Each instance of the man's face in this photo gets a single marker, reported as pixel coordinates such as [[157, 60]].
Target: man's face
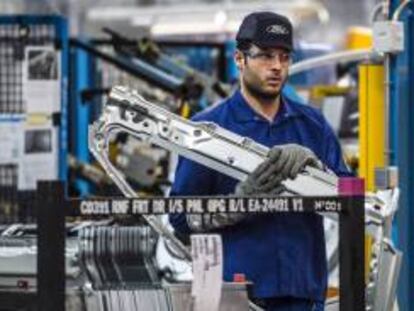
[[263, 71]]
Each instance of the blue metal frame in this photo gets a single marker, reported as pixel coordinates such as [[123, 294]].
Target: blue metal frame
[[81, 78], [402, 147], [232, 73], [62, 37]]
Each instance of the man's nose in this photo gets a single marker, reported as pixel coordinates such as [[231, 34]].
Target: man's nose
[[276, 63]]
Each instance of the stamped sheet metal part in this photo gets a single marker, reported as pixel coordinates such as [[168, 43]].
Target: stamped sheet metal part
[[203, 142]]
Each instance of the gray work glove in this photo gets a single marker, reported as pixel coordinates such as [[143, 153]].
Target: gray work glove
[[291, 159], [285, 161], [208, 222], [251, 186], [255, 184]]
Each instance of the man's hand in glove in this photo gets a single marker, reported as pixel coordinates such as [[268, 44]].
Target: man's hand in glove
[[285, 161], [207, 222]]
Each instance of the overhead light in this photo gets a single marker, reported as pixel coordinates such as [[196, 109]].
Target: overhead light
[[220, 18], [193, 28], [144, 21], [206, 17]]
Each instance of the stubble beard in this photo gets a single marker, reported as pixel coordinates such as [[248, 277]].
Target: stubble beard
[[262, 95]]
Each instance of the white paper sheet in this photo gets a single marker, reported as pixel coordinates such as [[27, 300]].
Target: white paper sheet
[[207, 252], [41, 79], [39, 156], [10, 128]]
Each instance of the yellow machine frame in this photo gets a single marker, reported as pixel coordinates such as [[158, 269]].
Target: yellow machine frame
[[371, 122]]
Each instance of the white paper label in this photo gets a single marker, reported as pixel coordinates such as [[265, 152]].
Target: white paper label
[[207, 253]]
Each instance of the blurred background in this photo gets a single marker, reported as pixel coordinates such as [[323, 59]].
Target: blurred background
[[315, 21], [59, 60]]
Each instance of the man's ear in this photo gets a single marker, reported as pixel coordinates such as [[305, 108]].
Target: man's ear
[[239, 59]]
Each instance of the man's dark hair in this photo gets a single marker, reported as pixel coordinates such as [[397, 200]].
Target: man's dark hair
[[243, 45]]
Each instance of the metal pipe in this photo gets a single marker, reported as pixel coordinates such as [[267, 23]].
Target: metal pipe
[[399, 10], [379, 6], [387, 85], [136, 67], [333, 58]]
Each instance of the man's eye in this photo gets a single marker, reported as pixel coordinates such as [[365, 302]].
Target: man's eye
[[284, 57], [267, 56]]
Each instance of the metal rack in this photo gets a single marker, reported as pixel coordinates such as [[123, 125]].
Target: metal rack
[[53, 208]]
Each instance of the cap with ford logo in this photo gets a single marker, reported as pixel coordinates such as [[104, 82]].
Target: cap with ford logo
[[266, 30]]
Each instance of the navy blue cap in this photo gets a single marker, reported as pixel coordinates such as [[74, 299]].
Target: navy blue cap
[[266, 30]]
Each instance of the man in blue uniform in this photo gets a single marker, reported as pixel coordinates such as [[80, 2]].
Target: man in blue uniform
[[283, 255]]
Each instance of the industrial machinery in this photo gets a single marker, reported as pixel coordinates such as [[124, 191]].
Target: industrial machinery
[[149, 51], [235, 156], [116, 266], [18, 267], [107, 267]]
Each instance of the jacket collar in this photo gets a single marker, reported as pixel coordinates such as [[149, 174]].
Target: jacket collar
[[243, 112]]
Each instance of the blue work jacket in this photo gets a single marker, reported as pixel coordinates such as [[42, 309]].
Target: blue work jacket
[[282, 254]]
